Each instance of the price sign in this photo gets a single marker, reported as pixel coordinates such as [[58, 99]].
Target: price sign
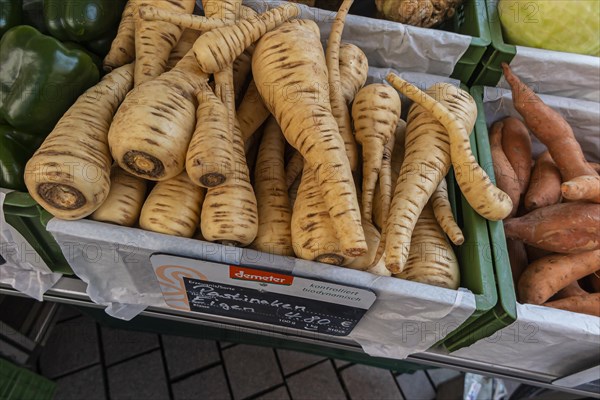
[[261, 296]]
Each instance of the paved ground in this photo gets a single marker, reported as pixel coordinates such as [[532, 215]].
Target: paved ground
[[89, 361]]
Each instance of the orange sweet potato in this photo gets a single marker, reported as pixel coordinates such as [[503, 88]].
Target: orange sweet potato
[[584, 304], [595, 166], [561, 228], [584, 187], [572, 290], [545, 277], [516, 144], [549, 127], [533, 253], [506, 177], [544, 186], [517, 257]]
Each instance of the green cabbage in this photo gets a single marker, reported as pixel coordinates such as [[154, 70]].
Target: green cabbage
[[563, 25]]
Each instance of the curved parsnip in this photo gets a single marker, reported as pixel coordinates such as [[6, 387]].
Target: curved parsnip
[[151, 131], [187, 20], [69, 175], [183, 46], [313, 236], [307, 122], [426, 163], [274, 214], [293, 191], [339, 108], [218, 48], [431, 258], [354, 69], [124, 201], [293, 169], [173, 207], [154, 40], [229, 213], [209, 158], [375, 112], [241, 70], [122, 48], [485, 198], [443, 214], [373, 237]]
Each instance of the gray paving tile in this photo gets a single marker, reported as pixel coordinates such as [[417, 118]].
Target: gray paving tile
[[278, 394], [72, 345], [121, 344], [441, 375], [186, 354], [143, 377], [366, 383], [340, 363], [86, 384], [318, 382], [251, 369], [292, 361], [207, 385], [416, 386], [67, 312]]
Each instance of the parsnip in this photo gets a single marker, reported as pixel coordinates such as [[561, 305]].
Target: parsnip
[[69, 175], [183, 46], [154, 40], [122, 48], [443, 214], [184, 20], [431, 258], [173, 207], [252, 112], [124, 201], [485, 198], [354, 69], [375, 113], [151, 131], [274, 213], [293, 169], [303, 76], [229, 213], [373, 237], [339, 107], [209, 158]]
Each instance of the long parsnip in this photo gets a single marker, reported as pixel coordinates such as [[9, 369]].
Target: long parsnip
[[293, 169], [183, 46], [375, 112], [69, 175], [274, 214], [443, 214], [184, 20], [485, 198], [252, 112], [292, 56], [122, 48], [339, 108], [354, 69]]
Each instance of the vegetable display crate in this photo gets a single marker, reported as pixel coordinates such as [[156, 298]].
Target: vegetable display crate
[[27, 217], [471, 19], [503, 311], [21, 384], [489, 72]]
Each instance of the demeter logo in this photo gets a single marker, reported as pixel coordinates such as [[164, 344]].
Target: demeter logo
[[249, 274]]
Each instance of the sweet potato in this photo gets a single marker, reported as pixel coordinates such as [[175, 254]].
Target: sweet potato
[[572, 290], [516, 144], [533, 253], [595, 166], [549, 127], [561, 228], [545, 277], [517, 256], [506, 177], [583, 188], [594, 282], [586, 304], [544, 186]]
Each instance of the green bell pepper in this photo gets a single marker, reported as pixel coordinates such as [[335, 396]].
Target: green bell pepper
[[81, 20], [33, 15], [16, 148], [40, 79], [11, 14]]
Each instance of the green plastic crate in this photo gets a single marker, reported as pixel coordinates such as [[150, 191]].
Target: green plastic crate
[[21, 384], [27, 217], [490, 72], [472, 20], [504, 311]]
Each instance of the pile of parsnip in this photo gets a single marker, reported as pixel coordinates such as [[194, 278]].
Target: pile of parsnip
[[245, 132], [554, 227]]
